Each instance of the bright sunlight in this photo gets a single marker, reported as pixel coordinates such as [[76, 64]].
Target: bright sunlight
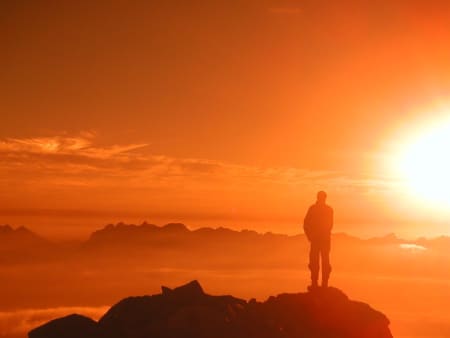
[[425, 164]]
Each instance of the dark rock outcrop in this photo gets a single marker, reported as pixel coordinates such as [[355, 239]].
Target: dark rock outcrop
[[186, 312], [72, 326]]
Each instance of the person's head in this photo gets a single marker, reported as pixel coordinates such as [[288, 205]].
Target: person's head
[[321, 196]]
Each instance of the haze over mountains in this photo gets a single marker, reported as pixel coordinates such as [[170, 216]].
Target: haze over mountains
[[122, 260], [178, 235], [175, 245]]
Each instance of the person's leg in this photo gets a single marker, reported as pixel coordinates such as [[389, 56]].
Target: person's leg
[[326, 266], [314, 263]]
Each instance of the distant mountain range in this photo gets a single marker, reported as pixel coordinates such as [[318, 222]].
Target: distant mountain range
[[174, 243], [177, 233], [173, 234]]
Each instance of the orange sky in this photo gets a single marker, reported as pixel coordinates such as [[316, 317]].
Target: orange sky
[[214, 112]]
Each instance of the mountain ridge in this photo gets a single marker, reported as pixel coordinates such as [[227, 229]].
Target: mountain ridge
[[23, 245], [181, 227]]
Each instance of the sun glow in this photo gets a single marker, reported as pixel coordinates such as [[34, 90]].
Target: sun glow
[[424, 164]]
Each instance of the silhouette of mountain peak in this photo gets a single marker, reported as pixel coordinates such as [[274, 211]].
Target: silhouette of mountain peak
[[4, 229], [25, 231], [188, 312], [69, 327], [122, 227], [175, 227], [187, 291], [21, 233]]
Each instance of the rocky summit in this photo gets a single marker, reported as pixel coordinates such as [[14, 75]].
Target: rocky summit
[[188, 312]]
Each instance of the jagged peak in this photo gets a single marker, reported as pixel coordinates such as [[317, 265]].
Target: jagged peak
[[175, 227], [5, 228], [19, 231], [191, 289], [24, 229]]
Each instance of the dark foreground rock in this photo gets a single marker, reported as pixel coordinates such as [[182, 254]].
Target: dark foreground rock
[[73, 326], [187, 312]]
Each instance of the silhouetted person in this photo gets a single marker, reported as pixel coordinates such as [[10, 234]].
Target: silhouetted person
[[317, 225]]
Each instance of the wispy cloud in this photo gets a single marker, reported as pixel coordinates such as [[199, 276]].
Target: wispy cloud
[[60, 145], [78, 159]]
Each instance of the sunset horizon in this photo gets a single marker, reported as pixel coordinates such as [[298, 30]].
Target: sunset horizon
[[323, 128]]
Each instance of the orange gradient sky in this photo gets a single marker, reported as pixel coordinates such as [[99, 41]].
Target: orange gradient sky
[[216, 112]]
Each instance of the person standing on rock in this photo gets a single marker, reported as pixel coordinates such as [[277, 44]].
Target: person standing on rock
[[317, 225]]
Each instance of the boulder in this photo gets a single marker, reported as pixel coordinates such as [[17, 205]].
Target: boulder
[[72, 326], [188, 312]]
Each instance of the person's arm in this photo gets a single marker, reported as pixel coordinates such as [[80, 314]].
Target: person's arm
[[307, 224], [331, 221]]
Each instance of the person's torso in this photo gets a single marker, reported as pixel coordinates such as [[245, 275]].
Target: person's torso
[[321, 219]]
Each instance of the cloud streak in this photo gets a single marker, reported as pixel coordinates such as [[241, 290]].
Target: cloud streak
[[59, 145], [79, 159]]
